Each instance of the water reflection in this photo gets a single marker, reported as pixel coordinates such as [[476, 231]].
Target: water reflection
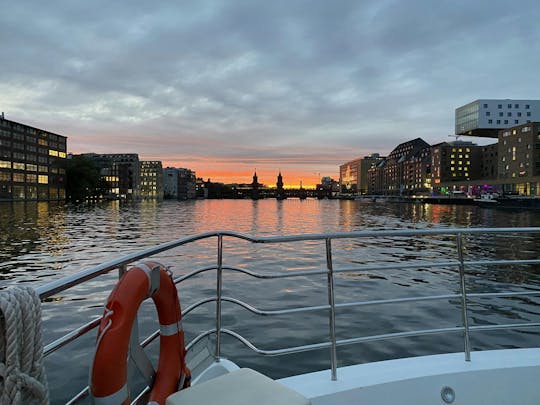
[[40, 241]]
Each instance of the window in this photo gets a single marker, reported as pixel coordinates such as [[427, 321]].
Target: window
[[488, 113], [516, 105], [498, 121], [490, 121], [527, 106], [509, 114], [18, 177], [506, 121], [18, 166], [499, 106], [516, 121], [528, 113], [519, 114], [509, 105], [501, 114], [43, 179], [5, 164], [485, 106]]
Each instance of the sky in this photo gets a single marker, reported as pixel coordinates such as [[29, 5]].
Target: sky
[[228, 87]]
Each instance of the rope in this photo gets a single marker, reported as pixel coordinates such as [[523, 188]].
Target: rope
[[22, 375]]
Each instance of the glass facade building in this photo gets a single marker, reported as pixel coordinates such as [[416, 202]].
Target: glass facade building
[[488, 116], [31, 163]]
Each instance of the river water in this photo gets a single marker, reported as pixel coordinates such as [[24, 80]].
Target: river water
[[42, 241]]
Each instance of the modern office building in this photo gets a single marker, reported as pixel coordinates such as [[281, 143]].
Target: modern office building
[[31, 163], [519, 159], [486, 117], [151, 180], [179, 184], [353, 175]]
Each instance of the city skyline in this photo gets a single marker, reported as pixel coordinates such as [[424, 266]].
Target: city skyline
[[223, 88]]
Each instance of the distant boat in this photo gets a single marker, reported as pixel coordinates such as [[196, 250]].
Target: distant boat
[[508, 201]]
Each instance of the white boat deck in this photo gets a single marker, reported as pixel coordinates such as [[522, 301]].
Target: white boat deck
[[491, 377]]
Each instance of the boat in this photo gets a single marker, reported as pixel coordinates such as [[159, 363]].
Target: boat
[[488, 200], [510, 201], [499, 376]]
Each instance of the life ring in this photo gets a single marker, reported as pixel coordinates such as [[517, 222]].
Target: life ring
[[108, 377]]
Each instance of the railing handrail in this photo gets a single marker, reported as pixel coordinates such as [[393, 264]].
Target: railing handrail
[[459, 262], [54, 287]]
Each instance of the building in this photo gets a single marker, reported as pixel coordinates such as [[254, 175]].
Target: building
[[519, 159], [393, 176], [353, 175], [489, 164], [179, 184], [121, 170], [31, 163], [417, 172], [151, 180], [486, 117]]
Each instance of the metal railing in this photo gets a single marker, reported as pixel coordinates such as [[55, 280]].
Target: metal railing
[[459, 263]]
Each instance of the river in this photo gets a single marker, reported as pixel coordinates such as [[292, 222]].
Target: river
[[43, 241]]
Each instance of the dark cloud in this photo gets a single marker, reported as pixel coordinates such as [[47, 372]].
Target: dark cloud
[[245, 79]]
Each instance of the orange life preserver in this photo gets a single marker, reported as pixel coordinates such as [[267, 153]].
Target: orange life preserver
[[108, 377]]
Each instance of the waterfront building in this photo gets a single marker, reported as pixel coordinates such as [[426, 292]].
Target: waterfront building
[[353, 175], [393, 171], [455, 164], [121, 171], [487, 116], [151, 179], [519, 159], [417, 173], [180, 184], [328, 188], [31, 161], [489, 164]]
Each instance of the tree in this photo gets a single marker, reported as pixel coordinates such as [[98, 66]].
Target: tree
[[83, 181]]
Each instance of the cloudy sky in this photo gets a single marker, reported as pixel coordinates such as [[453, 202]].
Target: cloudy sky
[[224, 87]]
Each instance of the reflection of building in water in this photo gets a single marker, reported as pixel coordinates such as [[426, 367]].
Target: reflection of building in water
[[179, 184], [151, 179], [30, 160]]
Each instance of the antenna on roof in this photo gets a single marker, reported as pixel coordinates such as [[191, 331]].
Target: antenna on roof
[[2, 116]]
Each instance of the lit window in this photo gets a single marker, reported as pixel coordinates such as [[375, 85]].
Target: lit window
[[53, 152], [62, 155], [43, 179], [18, 166], [5, 164]]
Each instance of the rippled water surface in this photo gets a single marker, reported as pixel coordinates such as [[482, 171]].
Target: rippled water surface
[[40, 242]]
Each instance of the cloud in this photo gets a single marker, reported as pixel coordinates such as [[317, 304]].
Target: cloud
[[267, 81]]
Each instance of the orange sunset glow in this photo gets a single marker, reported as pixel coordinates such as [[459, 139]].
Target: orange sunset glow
[[231, 172]]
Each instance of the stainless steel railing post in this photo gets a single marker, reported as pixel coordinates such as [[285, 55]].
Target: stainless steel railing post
[[464, 311], [332, 313], [219, 284], [122, 270]]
